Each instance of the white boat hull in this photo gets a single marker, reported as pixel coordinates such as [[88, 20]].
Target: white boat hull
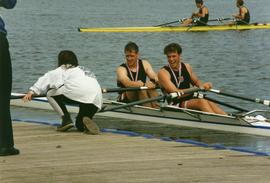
[[195, 120]]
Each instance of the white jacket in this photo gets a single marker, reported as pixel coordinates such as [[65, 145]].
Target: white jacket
[[71, 82]]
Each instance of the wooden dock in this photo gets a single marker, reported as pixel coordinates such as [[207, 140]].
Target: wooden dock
[[54, 157]]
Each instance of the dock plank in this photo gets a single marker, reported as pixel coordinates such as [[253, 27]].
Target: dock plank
[[50, 156]]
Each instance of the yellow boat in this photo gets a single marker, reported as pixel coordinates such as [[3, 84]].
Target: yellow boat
[[177, 28]]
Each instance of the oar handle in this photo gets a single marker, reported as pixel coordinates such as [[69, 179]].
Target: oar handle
[[185, 91]]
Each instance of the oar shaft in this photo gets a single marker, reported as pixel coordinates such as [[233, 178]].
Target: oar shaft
[[109, 90], [134, 103], [21, 96], [168, 23], [226, 104], [257, 100], [173, 22], [219, 19], [16, 97], [104, 90], [172, 95]]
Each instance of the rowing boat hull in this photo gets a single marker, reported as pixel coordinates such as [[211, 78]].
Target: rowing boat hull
[[167, 115], [262, 131], [176, 28]]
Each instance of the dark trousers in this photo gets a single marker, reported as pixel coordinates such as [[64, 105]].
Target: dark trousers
[[85, 110], [6, 132]]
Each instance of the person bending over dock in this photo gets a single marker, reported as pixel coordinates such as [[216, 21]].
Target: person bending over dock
[[70, 84]]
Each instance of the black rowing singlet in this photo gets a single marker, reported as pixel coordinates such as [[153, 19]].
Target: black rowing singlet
[[202, 20], [245, 20], [184, 84], [141, 74]]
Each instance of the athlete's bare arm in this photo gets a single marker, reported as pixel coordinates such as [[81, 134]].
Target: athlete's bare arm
[[204, 12], [151, 74], [165, 81], [196, 81]]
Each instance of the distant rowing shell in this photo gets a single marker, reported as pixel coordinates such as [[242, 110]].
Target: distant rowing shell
[[177, 28]]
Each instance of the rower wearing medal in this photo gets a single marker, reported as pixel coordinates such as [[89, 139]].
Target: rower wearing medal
[[177, 76], [136, 73], [200, 18]]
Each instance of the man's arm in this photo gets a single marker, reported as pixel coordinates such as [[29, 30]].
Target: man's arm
[[204, 12], [8, 4], [196, 81], [241, 14], [123, 78], [243, 11], [165, 81], [149, 71]]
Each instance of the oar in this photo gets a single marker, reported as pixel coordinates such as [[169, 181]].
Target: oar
[[109, 90], [200, 95], [211, 20], [173, 22], [256, 100], [226, 104], [171, 95], [219, 19], [104, 90], [22, 95]]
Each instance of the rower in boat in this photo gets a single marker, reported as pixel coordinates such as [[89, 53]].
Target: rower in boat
[[243, 17], [70, 84], [177, 76], [200, 18], [136, 72]]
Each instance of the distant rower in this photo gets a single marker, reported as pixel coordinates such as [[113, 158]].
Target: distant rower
[[200, 18], [243, 17]]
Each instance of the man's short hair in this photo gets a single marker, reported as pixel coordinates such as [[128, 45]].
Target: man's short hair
[[240, 2], [199, 1], [131, 46], [171, 48]]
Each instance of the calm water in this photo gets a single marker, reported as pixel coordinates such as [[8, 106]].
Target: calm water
[[231, 60]]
